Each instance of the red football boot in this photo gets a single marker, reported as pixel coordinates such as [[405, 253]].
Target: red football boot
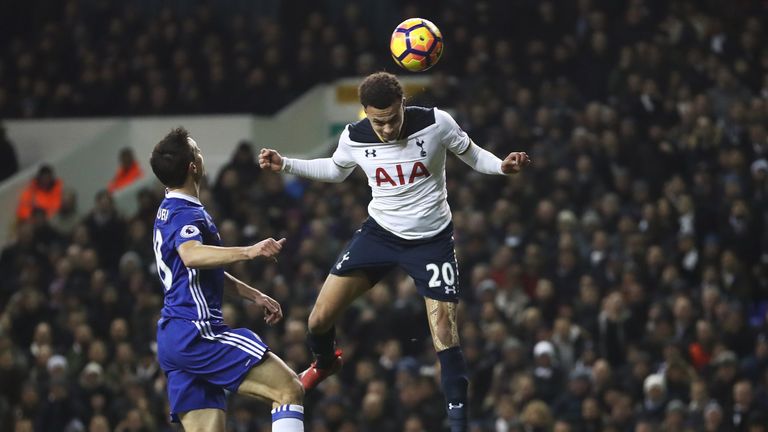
[[313, 376]]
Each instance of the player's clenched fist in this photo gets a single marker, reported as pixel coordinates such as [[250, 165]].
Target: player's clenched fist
[[268, 248], [515, 162], [270, 159]]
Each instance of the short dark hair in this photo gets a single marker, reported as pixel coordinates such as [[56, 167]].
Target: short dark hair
[[380, 90], [44, 169], [171, 157]]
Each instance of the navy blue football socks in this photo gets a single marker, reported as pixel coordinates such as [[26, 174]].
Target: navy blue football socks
[[322, 346], [453, 375]]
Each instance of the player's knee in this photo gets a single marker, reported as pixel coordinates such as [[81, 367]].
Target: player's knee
[[319, 321], [292, 392]]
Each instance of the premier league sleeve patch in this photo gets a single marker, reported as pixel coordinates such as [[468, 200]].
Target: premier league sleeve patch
[[189, 231]]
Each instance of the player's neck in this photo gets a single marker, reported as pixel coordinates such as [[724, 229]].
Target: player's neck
[[190, 188]]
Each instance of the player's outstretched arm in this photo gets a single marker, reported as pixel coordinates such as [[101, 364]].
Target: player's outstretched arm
[[273, 313], [270, 159], [515, 162], [197, 255], [324, 169], [483, 161]]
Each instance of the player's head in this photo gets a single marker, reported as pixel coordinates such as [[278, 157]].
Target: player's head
[[381, 95], [176, 159]]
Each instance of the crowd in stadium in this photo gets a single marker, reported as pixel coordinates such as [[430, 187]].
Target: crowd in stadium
[[620, 284]]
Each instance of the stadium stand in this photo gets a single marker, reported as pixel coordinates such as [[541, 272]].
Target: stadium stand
[[621, 284]]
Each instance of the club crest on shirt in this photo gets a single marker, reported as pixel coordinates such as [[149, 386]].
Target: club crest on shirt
[[189, 231], [420, 144]]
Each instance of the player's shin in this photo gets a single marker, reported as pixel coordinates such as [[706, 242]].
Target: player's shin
[[288, 418], [323, 347], [453, 376]]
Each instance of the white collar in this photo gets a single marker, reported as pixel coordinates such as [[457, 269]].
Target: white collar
[[183, 196]]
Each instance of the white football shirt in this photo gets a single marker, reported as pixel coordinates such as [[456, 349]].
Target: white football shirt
[[406, 176]]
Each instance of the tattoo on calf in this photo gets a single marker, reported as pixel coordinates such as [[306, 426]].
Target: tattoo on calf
[[434, 322]]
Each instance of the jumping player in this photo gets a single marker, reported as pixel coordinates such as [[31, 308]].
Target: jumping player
[[402, 151], [200, 355]]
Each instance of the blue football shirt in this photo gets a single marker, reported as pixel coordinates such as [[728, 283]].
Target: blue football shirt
[[191, 294]]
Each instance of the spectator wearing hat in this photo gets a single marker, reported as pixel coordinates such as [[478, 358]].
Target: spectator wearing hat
[[546, 371], [92, 390], [655, 397]]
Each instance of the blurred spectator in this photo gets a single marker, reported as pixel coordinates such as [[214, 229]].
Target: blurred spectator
[[655, 400], [127, 172], [106, 229], [244, 163], [9, 164], [547, 373], [43, 192], [67, 218], [619, 285]]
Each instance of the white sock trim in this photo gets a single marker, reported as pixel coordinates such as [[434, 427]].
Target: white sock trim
[[289, 407]]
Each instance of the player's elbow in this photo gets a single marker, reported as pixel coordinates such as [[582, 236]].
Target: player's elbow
[[192, 264], [190, 257], [339, 176], [189, 262]]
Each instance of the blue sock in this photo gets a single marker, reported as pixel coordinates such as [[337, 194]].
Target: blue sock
[[453, 375], [323, 347], [288, 418]]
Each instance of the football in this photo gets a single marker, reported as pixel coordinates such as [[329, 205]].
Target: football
[[416, 44]]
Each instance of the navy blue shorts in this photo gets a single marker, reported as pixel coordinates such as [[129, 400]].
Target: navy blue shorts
[[201, 360], [430, 262]]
